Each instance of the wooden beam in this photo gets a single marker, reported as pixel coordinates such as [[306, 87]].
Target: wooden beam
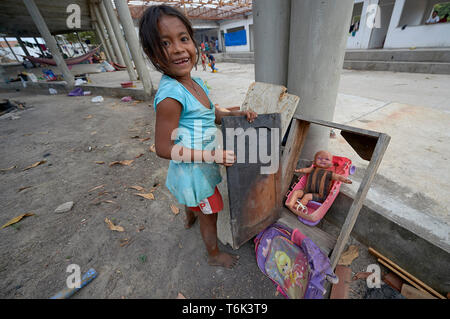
[[397, 269], [291, 153], [360, 196]]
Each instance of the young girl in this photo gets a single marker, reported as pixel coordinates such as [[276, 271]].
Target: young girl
[[184, 112]]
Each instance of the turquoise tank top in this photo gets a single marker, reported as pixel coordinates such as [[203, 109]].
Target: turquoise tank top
[[191, 182]]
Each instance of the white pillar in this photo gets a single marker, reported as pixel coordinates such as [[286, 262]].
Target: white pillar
[[99, 33], [111, 33], [271, 34], [106, 36], [120, 39], [81, 43], [102, 40], [317, 41], [49, 40], [39, 46], [133, 44]]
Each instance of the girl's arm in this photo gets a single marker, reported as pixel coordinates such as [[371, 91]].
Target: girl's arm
[[167, 118], [220, 113]]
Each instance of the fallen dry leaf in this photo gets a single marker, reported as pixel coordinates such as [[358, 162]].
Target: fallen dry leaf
[[125, 242], [99, 162], [174, 209], [152, 148], [23, 188], [348, 256], [141, 228], [180, 296], [113, 227], [139, 155], [88, 117], [137, 187], [7, 169], [16, 219], [148, 195], [35, 164], [96, 187], [144, 139], [124, 162]]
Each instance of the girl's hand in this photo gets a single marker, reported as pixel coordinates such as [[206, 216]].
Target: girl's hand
[[251, 115], [298, 170], [224, 157]]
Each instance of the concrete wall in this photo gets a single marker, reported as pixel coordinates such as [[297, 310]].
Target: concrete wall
[[356, 41], [413, 13], [378, 35], [235, 24]]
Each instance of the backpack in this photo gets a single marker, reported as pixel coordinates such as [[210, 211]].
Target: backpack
[[293, 262]]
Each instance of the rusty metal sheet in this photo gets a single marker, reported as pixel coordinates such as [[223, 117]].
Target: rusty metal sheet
[[254, 181]]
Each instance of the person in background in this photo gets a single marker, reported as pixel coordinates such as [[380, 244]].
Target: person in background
[[433, 19]]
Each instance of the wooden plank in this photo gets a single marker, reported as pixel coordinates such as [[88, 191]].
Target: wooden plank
[[291, 153], [412, 293], [404, 272], [353, 213], [341, 127], [253, 192], [265, 98], [398, 273], [322, 239]]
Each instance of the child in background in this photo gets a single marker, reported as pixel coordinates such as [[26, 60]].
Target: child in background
[[203, 61], [181, 103], [212, 62]]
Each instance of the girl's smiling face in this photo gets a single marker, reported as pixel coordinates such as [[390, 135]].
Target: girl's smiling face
[[178, 46]]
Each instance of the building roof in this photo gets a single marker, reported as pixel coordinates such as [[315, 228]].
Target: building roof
[[198, 9], [16, 21]]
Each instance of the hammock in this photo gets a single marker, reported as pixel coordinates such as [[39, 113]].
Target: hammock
[[69, 61]]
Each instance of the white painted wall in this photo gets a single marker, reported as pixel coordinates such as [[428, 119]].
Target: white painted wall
[[420, 36], [235, 24], [378, 34]]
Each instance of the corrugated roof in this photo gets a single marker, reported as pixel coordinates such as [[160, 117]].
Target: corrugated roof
[[15, 20], [198, 9]]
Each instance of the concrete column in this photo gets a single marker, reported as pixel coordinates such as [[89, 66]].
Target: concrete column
[[318, 37], [49, 40], [23, 46], [106, 36], [111, 33], [99, 33], [14, 53], [37, 43], [102, 40], [271, 33], [133, 44], [120, 39], [81, 43]]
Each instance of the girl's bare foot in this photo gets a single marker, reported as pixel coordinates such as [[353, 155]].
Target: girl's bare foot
[[223, 259]]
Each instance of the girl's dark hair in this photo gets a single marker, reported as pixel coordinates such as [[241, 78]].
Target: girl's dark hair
[[149, 34]]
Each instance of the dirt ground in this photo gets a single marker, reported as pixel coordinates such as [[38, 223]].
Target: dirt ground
[[154, 257], [161, 258]]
